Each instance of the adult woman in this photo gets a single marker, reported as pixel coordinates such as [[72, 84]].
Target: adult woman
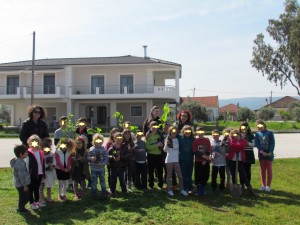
[[250, 158], [34, 124], [184, 117], [154, 116]]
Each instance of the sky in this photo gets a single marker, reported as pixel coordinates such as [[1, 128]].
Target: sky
[[212, 39]]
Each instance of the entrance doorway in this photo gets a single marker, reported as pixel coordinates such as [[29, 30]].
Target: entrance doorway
[[101, 115]]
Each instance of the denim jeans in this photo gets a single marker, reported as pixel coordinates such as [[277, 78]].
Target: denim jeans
[[94, 177]]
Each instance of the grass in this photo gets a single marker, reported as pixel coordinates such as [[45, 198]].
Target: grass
[[281, 206], [275, 126]]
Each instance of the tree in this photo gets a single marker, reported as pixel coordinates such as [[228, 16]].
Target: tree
[[266, 113], [285, 115], [281, 64], [4, 113], [245, 114], [198, 111], [296, 113]]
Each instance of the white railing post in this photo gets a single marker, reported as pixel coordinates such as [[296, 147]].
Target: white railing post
[[57, 90], [125, 90], [97, 91]]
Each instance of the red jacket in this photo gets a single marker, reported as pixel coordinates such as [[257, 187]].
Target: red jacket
[[201, 144], [237, 146]]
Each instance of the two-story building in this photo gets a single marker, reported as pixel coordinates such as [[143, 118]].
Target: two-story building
[[91, 87]]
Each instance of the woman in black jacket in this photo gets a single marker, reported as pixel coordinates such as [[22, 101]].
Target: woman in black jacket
[[34, 124]]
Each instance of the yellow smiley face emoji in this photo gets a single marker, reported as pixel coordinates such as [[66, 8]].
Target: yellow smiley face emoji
[[174, 131], [187, 131], [63, 146], [243, 127], [34, 143], [98, 141], [126, 125], [155, 126], [235, 135], [140, 133], [260, 126], [46, 149], [200, 132], [81, 124], [226, 133]]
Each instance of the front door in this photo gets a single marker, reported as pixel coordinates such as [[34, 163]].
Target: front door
[[101, 115]]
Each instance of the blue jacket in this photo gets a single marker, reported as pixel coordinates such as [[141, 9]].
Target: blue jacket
[[265, 141]]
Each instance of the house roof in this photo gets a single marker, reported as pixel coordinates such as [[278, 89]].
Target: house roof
[[282, 103], [207, 101], [59, 62], [232, 108]]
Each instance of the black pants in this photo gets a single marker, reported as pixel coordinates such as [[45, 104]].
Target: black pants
[[155, 163], [241, 170], [201, 173], [34, 189], [23, 198], [116, 173], [141, 175], [247, 167], [214, 175]]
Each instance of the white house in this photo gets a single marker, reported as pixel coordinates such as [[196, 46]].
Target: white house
[[92, 87]]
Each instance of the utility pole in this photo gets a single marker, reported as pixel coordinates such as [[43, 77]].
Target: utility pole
[[32, 69], [271, 98], [194, 92]]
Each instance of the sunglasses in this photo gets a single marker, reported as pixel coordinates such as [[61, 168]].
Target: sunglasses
[[36, 112]]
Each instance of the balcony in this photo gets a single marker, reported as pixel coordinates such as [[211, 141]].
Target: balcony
[[119, 91], [40, 91]]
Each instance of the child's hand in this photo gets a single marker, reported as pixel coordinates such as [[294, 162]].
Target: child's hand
[[159, 144], [25, 188], [93, 159]]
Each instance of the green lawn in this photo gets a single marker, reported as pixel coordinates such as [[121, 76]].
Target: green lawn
[[281, 206]]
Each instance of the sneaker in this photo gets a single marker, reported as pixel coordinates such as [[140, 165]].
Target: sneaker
[[262, 188], [170, 193], [42, 201], [184, 193], [268, 189], [76, 198], [23, 211], [40, 204], [34, 206]]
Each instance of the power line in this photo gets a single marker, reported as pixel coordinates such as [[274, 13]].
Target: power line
[[15, 38]]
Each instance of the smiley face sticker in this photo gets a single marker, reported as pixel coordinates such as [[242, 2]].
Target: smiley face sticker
[[63, 146], [98, 141], [34, 143], [46, 149]]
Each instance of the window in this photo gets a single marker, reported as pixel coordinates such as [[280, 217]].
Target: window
[[97, 81], [49, 83], [11, 85], [126, 82], [136, 111]]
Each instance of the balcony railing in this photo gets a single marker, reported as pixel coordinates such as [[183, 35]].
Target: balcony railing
[[112, 89], [46, 90]]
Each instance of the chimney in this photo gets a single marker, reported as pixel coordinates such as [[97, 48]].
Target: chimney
[[266, 102], [145, 51]]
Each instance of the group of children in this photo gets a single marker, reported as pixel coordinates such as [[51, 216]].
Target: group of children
[[134, 159]]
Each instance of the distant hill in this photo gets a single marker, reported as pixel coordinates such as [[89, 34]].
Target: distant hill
[[250, 102]]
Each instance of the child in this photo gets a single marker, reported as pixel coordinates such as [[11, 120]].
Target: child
[[186, 157], [218, 161], [63, 155], [154, 143], [118, 156], [50, 173], [237, 153], [36, 165], [108, 144], [250, 157], [140, 163], [80, 168], [98, 158], [265, 143], [21, 177], [128, 142], [225, 145], [172, 160], [202, 150]]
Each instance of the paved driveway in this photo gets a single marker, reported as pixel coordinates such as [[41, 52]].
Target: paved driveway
[[287, 146]]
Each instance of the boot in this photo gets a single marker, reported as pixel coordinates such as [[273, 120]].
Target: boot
[[203, 190], [49, 199], [250, 190], [199, 189]]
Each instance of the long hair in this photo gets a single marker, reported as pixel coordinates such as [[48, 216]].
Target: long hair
[[34, 107]]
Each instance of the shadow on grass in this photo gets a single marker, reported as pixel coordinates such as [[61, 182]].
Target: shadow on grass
[[71, 212]]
